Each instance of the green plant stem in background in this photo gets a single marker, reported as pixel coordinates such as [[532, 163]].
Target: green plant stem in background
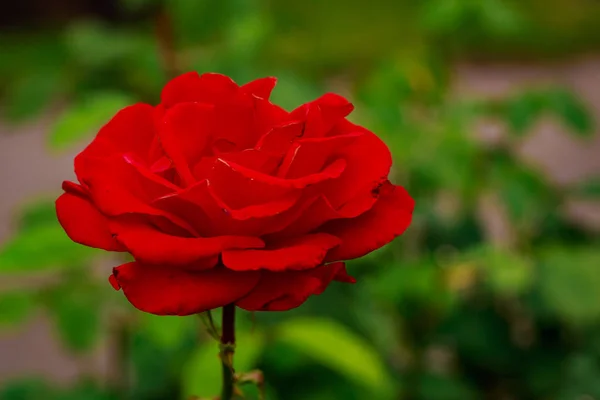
[[122, 358], [227, 351], [165, 39]]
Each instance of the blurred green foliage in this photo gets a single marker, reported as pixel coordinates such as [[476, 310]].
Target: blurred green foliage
[[444, 313]]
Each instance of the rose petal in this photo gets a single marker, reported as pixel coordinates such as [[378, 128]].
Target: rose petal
[[333, 108], [321, 211], [292, 254], [152, 246], [185, 133], [266, 116], [154, 185], [167, 291], [243, 174], [389, 218], [267, 209], [235, 128], [123, 173], [161, 165], [260, 87], [321, 115], [368, 164], [211, 216], [131, 130], [83, 223], [236, 187], [254, 159], [279, 139], [190, 87], [281, 291], [185, 209], [307, 156], [119, 186], [74, 188], [243, 119]]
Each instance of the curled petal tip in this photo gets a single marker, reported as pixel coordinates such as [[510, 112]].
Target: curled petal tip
[[113, 282]]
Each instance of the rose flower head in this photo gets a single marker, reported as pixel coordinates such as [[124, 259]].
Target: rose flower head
[[222, 197]]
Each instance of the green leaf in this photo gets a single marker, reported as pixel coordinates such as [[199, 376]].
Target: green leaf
[[569, 282], [15, 307], [334, 346], [523, 110], [85, 118], [76, 312], [27, 95], [96, 45], [43, 247], [571, 110], [202, 373]]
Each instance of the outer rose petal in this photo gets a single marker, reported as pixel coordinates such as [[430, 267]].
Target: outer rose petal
[[333, 108], [119, 186], [281, 291], [152, 246], [84, 223], [389, 217], [322, 114], [191, 87], [131, 130], [166, 291], [293, 254], [260, 87]]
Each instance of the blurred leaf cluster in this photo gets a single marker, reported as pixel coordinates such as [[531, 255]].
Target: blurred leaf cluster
[[447, 312]]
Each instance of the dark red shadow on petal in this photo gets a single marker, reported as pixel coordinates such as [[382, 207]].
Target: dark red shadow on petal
[[281, 291], [297, 253]]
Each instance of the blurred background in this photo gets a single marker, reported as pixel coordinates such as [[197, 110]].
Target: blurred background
[[489, 107]]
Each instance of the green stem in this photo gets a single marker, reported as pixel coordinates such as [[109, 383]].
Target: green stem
[[166, 43], [122, 357], [227, 350]]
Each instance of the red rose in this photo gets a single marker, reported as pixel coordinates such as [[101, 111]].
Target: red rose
[[223, 197]]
